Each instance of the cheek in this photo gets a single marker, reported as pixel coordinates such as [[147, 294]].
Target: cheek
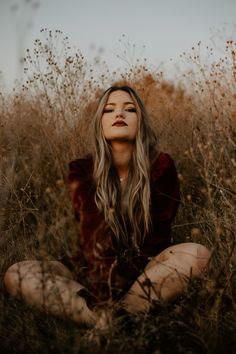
[[104, 125], [136, 126]]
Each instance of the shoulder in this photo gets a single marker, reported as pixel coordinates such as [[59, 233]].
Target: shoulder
[[163, 165]]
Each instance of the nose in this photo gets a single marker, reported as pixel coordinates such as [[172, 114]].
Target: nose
[[120, 113]]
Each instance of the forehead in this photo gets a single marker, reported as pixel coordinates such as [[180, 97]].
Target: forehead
[[119, 96]]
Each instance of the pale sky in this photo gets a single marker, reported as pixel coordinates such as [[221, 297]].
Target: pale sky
[[166, 27]]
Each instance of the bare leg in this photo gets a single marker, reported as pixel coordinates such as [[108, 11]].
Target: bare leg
[[167, 275], [48, 286]]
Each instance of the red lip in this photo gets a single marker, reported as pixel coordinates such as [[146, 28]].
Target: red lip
[[119, 123]]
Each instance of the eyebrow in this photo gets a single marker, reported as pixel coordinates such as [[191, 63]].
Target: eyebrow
[[113, 104]]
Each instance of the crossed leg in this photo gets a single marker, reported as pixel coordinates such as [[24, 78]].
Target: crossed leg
[[167, 275], [50, 287]]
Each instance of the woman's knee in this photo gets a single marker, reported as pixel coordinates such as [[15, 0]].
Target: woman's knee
[[203, 258], [11, 279], [197, 255], [193, 258], [28, 271]]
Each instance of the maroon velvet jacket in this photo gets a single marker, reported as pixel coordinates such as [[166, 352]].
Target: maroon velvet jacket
[[106, 268]]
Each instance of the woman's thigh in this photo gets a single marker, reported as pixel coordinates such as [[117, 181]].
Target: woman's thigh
[[188, 257], [32, 271], [167, 275]]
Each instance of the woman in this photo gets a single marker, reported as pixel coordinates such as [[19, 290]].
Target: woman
[[125, 197]]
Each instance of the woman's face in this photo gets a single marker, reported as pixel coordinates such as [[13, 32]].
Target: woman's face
[[120, 119]]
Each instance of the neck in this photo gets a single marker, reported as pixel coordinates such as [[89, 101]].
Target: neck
[[122, 153]]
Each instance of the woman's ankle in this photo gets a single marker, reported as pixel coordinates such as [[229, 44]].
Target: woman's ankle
[[82, 314]]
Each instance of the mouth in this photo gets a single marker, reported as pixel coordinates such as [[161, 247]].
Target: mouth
[[119, 123]]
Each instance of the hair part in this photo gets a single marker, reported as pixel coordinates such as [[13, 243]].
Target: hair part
[[128, 213]]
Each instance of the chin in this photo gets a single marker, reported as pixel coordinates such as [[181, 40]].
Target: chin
[[121, 138]]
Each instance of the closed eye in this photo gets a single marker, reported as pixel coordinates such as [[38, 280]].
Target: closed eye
[[131, 109], [108, 110]]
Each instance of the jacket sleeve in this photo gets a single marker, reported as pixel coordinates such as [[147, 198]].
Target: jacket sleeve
[[165, 199], [166, 191], [80, 183], [76, 177]]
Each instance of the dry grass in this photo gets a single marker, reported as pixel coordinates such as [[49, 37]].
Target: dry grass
[[46, 124]]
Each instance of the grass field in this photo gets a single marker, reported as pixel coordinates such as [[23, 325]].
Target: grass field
[[46, 123]]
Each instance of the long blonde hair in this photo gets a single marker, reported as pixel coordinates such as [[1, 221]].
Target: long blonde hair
[[128, 213]]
